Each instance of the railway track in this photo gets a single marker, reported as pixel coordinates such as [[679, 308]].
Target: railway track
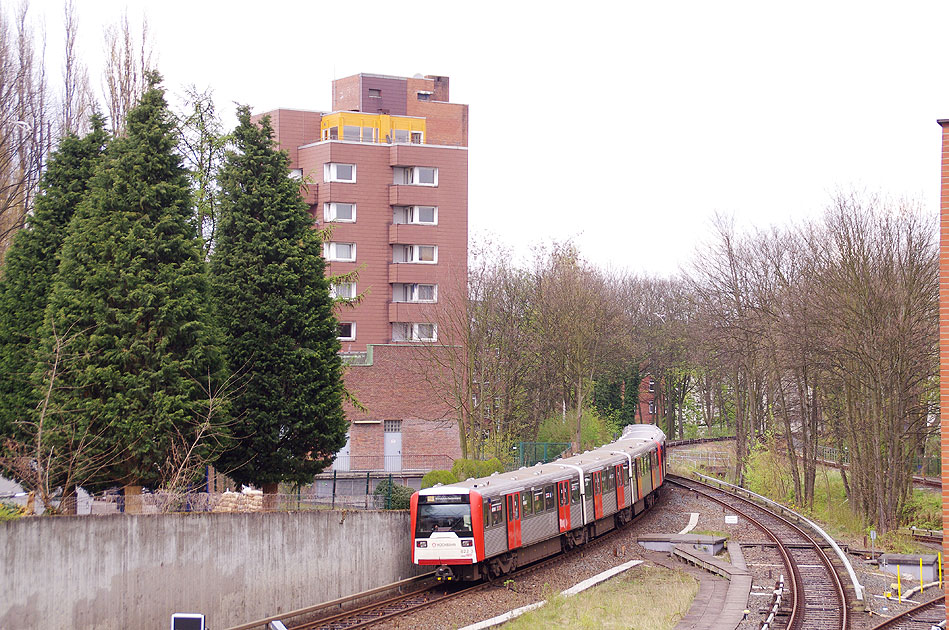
[[923, 617], [424, 592], [817, 597]]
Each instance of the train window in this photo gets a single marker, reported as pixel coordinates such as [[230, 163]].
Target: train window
[[575, 491], [510, 508], [526, 505], [563, 494], [589, 487], [609, 480], [549, 501], [496, 513], [487, 513], [538, 500]]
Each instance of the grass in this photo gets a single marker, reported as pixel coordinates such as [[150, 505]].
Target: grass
[[767, 474], [645, 598]]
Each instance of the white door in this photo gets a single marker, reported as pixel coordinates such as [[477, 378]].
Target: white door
[[342, 457], [392, 435]]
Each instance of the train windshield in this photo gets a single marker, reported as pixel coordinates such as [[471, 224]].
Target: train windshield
[[443, 513]]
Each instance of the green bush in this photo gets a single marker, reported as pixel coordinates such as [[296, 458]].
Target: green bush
[[473, 468], [400, 496], [923, 509], [11, 511], [438, 476]]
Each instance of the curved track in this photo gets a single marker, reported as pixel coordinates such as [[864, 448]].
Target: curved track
[[922, 617], [817, 597]]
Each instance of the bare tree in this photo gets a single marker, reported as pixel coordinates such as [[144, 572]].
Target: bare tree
[[202, 145], [127, 64], [77, 99], [59, 455], [24, 127], [878, 291]]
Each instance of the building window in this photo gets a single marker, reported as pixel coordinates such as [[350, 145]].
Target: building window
[[334, 172], [375, 93], [652, 406], [408, 292], [652, 385], [423, 96], [416, 137], [343, 291], [351, 133], [422, 254], [405, 331], [419, 215], [345, 252], [415, 175], [340, 212], [331, 133], [368, 134], [346, 331], [392, 426], [400, 135]]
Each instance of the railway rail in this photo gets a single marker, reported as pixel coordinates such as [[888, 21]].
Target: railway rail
[[925, 616], [423, 592], [817, 598]]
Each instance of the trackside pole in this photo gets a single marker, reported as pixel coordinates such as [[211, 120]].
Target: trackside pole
[[899, 586], [920, 574], [940, 569]]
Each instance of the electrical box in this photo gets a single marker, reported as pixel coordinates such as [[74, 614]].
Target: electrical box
[[187, 621]]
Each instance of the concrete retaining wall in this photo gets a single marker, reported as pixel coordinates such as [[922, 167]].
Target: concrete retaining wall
[[120, 572]]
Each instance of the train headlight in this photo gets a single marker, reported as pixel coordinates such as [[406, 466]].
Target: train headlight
[[467, 543], [422, 544]]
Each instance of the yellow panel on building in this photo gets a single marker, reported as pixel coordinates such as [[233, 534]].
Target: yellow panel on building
[[378, 128]]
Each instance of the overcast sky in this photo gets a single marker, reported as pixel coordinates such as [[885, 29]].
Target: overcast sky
[[624, 126]]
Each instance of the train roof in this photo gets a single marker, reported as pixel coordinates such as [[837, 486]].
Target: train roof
[[636, 440]]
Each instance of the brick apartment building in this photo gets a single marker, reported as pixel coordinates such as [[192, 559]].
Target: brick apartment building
[[944, 334], [386, 172], [649, 401]]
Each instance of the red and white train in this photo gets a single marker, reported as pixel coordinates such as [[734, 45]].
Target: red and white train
[[489, 526]]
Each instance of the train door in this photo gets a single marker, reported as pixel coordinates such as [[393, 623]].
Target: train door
[[620, 488], [598, 494], [639, 478], [563, 504], [513, 520]]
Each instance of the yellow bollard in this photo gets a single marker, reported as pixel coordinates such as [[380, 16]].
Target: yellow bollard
[[899, 586], [920, 574], [940, 569]]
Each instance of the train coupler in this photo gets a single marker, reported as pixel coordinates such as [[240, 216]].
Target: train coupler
[[444, 574]]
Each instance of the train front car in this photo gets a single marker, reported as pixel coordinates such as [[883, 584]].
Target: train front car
[[447, 531]]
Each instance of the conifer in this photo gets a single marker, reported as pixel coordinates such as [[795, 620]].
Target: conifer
[[31, 264], [280, 332], [131, 297]]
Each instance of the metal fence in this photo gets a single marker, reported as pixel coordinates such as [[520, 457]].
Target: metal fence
[[530, 453], [921, 466]]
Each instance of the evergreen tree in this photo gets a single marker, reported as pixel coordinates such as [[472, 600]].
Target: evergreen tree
[[280, 330], [132, 296], [31, 263], [631, 397]]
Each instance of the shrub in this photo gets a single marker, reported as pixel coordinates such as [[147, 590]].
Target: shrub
[[438, 476], [397, 496], [594, 431], [11, 511], [922, 509], [467, 468]]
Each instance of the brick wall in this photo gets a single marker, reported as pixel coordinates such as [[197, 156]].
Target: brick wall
[[944, 334], [401, 384]]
